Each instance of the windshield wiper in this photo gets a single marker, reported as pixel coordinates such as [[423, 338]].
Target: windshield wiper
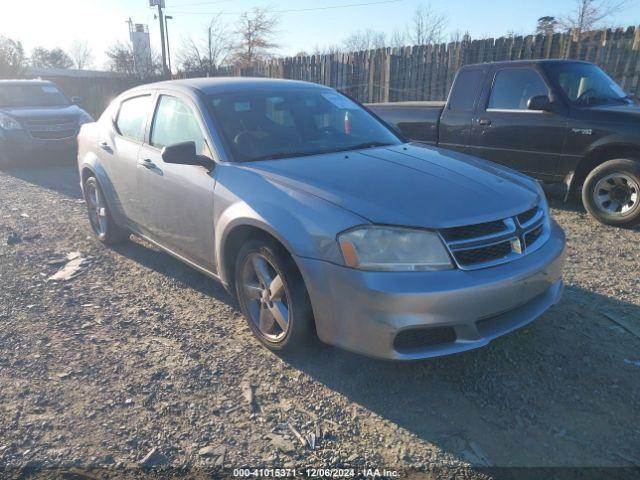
[[277, 156], [360, 146]]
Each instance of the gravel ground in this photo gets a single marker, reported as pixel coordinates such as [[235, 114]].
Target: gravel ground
[[140, 361]]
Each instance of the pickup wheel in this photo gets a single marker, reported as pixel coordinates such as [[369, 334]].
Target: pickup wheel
[[273, 296], [611, 193], [102, 223]]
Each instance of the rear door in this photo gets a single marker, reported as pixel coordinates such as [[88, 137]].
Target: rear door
[[506, 131], [119, 146], [178, 199]]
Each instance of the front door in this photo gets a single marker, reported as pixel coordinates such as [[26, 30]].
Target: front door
[[507, 132], [178, 199]]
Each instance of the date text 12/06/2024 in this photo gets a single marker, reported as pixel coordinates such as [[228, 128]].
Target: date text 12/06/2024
[[315, 473]]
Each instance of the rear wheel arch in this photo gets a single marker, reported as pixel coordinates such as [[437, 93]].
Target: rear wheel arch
[[598, 156]]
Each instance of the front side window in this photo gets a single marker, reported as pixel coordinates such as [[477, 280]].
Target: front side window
[[175, 122], [266, 124], [585, 84], [132, 117], [31, 95], [513, 88]]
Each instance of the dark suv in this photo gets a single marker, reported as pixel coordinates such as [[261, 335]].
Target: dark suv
[[37, 121]]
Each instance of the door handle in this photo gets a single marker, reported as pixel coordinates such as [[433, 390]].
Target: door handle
[[484, 121], [105, 146], [146, 163]]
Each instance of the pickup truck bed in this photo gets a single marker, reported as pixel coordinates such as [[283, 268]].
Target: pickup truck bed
[[416, 120]]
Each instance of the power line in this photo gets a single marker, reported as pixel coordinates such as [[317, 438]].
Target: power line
[[294, 10]]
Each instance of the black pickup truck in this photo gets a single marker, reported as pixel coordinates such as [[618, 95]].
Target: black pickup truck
[[556, 120]]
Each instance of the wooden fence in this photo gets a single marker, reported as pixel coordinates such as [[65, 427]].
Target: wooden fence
[[426, 72], [422, 72]]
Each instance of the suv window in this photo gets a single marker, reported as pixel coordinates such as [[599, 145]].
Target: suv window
[[132, 116], [465, 89], [174, 122], [514, 87]]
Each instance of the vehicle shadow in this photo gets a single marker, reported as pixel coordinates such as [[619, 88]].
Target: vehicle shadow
[[59, 175], [560, 392]]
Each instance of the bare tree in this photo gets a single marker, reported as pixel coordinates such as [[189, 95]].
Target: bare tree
[[364, 40], [427, 26], [54, 58], [256, 31], [81, 54], [120, 58], [11, 57], [588, 14], [204, 56], [397, 39]]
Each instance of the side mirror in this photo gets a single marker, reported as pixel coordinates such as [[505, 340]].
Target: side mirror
[[540, 102], [184, 153], [77, 101]]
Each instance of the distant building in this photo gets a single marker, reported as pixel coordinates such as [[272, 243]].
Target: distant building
[[141, 46]]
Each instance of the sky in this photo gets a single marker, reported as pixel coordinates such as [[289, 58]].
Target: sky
[[102, 22]]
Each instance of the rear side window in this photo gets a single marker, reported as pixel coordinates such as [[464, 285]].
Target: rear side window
[[513, 88], [132, 116], [175, 122], [465, 90]]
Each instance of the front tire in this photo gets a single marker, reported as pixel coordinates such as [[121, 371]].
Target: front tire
[[611, 193], [272, 296], [102, 223]]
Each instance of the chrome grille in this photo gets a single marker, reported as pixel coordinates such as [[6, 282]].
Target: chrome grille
[[52, 128], [500, 241]]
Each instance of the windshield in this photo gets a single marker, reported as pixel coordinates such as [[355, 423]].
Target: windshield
[[278, 123], [37, 95], [585, 84]]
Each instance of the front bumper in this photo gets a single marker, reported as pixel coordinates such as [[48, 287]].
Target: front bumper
[[364, 311], [18, 147]]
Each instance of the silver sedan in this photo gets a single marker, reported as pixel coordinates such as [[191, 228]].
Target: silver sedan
[[320, 218]]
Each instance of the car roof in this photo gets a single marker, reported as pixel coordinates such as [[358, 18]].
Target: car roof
[[35, 81], [527, 62], [214, 85]]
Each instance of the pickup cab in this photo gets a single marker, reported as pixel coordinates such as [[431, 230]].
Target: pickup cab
[[556, 120]]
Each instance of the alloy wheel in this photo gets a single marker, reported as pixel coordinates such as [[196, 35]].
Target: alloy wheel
[[97, 208], [265, 296]]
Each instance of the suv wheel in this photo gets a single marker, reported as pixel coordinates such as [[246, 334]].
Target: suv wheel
[[100, 217], [611, 193], [272, 296]]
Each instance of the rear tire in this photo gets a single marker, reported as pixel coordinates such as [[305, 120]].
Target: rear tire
[[611, 193], [273, 297], [102, 222]]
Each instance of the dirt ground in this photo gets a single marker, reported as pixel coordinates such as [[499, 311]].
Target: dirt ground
[[142, 361]]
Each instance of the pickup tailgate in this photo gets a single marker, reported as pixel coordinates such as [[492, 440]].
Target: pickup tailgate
[[416, 120]]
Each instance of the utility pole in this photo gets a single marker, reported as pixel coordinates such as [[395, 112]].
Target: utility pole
[[166, 29], [160, 4]]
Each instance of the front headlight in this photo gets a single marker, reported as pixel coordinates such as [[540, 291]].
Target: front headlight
[[85, 118], [393, 249], [8, 123]]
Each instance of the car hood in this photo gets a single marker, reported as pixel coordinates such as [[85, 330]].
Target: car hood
[[407, 185], [68, 111], [625, 112]]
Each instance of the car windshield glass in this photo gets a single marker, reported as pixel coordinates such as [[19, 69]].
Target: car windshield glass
[[586, 84], [39, 95], [279, 123]]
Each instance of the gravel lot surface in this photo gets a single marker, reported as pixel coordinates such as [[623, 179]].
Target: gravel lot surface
[[141, 361]]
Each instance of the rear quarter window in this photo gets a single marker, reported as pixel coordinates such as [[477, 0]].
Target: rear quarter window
[[465, 90], [132, 116]]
